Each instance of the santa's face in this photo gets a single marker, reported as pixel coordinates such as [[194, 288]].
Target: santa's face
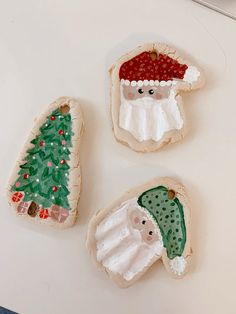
[[128, 240], [148, 112], [155, 92]]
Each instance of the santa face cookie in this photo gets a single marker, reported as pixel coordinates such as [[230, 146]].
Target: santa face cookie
[[45, 185], [146, 104], [148, 223]]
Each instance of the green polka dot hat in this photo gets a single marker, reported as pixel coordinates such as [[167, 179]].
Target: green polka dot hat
[[168, 213]]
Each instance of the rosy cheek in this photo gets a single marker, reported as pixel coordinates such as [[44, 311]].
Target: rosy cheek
[[158, 96], [136, 220], [149, 238], [130, 95]]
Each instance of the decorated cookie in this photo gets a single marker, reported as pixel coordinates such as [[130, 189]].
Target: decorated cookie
[[148, 223], [45, 185], [146, 104]]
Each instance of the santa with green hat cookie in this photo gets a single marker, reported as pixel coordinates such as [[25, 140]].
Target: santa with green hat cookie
[[146, 224]]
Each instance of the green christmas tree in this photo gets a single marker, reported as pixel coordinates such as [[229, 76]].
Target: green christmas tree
[[44, 175]]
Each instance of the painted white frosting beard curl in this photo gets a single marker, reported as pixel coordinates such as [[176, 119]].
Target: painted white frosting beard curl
[[149, 119], [120, 247]]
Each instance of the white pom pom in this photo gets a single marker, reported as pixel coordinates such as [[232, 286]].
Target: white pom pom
[[178, 265], [191, 74]]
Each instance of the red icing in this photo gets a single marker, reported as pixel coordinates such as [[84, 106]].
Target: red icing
[[61, 132], [54, 188], [44, 213], [16, 197], [41, 143], [62, 161], [26, 176], [53, 118], [143, 67]]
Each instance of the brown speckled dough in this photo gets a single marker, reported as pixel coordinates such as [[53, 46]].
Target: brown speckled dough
[[46, 182], [134, 89], [131, 234]]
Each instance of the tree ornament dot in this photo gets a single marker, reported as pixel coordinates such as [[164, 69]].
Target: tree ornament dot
[[54, 188], [41, 143], [62, 162], [63, 142], [61, 132], [26, 176], [53, 118]]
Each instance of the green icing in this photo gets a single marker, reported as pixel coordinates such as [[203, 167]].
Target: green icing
[[46, 164], [169, 216]]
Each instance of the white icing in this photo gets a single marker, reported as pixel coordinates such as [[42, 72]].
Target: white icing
[[151, 83], [178, 265], [147, 83], [191, 74], [149, 119], [120, 247]]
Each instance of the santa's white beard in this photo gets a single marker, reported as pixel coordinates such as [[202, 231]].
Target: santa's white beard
[[120, 247], [149, 119]]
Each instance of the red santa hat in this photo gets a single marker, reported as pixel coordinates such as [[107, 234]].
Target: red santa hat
[[150, 68]]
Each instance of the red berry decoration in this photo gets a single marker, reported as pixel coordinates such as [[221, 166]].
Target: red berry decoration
[[16, 197], [44, 213], [54, 188], [41, 143], [26, 176], [62, 161], [53, 118], [61, 132]]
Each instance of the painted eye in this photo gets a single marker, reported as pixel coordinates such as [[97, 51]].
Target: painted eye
[[141, 91], [143, 222], [151, 91], [150, 232]]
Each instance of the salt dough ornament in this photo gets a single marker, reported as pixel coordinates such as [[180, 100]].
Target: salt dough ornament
[[45, 185], [146, 224], [146, 104]]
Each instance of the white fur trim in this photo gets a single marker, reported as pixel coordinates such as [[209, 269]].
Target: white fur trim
[[191, 74], [151, 83], [147, 83], [178, 265]]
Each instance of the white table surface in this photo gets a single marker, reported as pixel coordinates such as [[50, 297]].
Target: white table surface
[[58, 47]]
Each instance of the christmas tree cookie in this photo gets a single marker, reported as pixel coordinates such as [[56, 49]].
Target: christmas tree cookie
[[146, 103], [45, 185], [147, 223]]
